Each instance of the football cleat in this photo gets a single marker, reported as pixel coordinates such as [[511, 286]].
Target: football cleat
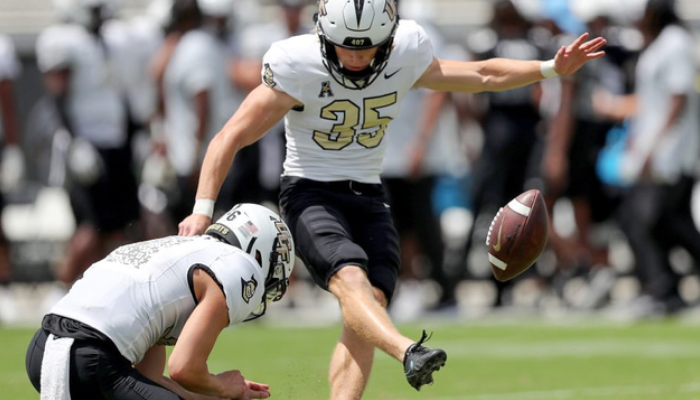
[[420, 362]]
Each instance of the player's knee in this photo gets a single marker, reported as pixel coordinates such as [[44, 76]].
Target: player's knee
[[351, 275]]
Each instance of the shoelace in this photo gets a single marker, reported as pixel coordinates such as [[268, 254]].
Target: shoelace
[[424, 338]]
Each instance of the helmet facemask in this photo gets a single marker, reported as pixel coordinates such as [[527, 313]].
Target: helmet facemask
[[378, 32], [355, 80], [277, 280], [263, 235], [276, 285]]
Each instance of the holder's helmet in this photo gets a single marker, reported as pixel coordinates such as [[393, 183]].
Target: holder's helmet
[[356, 25], [261, 233]]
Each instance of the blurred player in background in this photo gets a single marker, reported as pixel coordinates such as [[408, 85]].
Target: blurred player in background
[[510, 125], [338, 100], [133, 41], [198, 92], [422, 146], [79, 72], [160, 189], [575, 136], [12, 162], [106, 338], [661, 156]]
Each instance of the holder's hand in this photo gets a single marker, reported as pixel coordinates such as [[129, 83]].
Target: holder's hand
[[194, 224]]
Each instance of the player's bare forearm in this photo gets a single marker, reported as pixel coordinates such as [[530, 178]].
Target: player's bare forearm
[[188, 360], [500, 74], [182, 392], [614, 107], [493, 75], [152, 367], [215, 166], [260, 111]]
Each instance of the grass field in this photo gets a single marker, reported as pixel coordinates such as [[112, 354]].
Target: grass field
[[486, 361]]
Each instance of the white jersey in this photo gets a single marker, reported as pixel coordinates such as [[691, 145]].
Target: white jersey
[[132, 44], [142, 294], [667, 68], [95, 106], [199, 63], [444, 154], [339, 133]]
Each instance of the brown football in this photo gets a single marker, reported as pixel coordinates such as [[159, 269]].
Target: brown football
[[518, 235]]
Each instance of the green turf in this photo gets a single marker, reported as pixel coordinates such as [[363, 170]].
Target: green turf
[[529, 361]]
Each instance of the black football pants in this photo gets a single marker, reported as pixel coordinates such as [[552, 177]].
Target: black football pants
[[97, 371]]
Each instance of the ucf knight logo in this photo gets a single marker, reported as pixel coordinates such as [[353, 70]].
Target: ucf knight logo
[[269, 77], [283, 242], [390, 8], [248, 288]]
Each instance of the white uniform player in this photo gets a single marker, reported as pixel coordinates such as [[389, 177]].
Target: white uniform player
[[338, 90], [348, 124], [132, 44], [199, 96], [198, 64], [140, 295], [96, 111], [146, 295], [82, 75]]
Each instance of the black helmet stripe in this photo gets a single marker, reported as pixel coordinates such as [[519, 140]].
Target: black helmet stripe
[[250, 245], [359, 5]]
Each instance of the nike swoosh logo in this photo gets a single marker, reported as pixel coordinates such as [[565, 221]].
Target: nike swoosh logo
[[410, 369], [497, 246], [387, 76]]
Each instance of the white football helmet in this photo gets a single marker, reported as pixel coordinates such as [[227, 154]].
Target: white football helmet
[[356, 24], [81, 11], [261, 233]]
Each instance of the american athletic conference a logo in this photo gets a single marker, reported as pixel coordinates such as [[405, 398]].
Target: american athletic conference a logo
[[326, 90]]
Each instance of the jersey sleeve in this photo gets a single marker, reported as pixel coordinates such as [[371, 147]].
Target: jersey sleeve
[[425, 53], [9, 64], [242, 282], [414, 48], [279, 72], [54, 50]]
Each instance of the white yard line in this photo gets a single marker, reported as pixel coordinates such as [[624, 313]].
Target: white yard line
[[595, 393], [638, 348]]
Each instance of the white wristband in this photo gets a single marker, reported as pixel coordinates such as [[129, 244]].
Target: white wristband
[[204, 207], [547, 69]]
